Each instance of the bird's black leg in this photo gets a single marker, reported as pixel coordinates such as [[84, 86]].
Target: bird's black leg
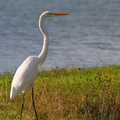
[[33, 103], [22, 106]]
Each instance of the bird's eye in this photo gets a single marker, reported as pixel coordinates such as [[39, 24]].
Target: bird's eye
[[51, 14]]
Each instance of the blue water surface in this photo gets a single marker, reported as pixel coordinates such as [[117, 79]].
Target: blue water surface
[[88, 37]]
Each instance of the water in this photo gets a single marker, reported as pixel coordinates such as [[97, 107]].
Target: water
[[89, 36]]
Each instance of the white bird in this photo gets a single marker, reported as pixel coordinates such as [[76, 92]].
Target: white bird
[[27, 72]]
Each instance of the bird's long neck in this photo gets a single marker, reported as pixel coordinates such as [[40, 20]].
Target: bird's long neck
[[43, 53]]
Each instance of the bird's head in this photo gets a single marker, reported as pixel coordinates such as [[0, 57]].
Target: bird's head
[[52, 14]]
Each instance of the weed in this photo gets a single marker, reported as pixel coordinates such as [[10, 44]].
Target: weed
[[67, 94]]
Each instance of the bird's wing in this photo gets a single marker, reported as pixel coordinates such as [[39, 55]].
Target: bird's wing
[[24, 76]]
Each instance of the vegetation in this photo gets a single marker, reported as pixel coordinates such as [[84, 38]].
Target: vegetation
[[67, 94]]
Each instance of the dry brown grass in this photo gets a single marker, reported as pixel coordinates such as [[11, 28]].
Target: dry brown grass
[[75, 94]]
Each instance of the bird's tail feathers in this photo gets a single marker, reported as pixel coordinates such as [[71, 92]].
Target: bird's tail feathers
[[13, 93]]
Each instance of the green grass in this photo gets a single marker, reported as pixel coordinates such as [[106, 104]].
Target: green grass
[[67, 94]]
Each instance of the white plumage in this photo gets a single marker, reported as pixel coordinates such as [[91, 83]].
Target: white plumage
[[24, 76]]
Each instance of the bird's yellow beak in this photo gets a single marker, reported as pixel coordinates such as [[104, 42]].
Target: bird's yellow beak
[[60, 14]]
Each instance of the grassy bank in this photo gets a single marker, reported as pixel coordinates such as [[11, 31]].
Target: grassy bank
[[74, 94]]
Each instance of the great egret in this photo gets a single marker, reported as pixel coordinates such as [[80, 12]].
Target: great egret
[[27, 71]]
